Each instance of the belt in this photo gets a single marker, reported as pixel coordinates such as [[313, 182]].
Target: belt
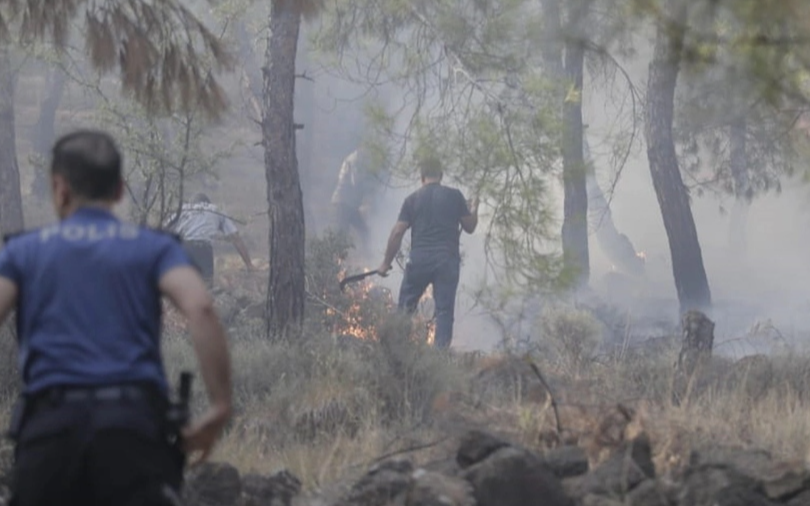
[[58, 395]]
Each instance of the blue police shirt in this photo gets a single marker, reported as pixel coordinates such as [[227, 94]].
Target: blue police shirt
[[89, 306]]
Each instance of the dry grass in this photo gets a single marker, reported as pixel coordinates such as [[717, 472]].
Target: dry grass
[[325, 408], [401, 394]]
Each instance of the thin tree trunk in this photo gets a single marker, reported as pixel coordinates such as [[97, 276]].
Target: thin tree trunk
[[285, 291], [575, 216], [738, 160], [43, 133], [11, 213], [687, 260], [564, 63]]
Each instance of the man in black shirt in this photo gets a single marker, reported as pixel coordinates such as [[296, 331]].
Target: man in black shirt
[[434, 214]]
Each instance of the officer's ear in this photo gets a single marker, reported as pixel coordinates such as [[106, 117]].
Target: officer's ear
[[61, 191], [119, 191]]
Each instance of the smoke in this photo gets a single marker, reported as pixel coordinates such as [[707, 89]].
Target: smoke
[[764, 283]]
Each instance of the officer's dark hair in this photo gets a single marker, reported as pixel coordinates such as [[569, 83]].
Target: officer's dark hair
[[91, 163], [430, 167]]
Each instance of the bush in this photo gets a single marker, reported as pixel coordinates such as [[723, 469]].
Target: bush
[[572, 335]]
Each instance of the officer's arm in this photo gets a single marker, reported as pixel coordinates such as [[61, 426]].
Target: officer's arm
[[186, 290], [8, 297]]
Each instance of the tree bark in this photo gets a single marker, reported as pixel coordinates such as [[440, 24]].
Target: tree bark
[[575, 214], [285, 291], [687, 260], [305, 105], [696, 352], [11, 212], [564, 63], [738, 160], [43, 133]]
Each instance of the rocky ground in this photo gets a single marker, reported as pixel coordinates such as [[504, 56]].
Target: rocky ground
[[489, 471]]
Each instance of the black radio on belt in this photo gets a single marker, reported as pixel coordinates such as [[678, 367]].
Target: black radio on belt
[[179, 410]]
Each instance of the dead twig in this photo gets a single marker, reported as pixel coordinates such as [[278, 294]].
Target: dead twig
[[539, 375], [410, 449]]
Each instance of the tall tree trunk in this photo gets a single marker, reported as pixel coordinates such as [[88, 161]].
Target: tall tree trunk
[[687, 260], [738, 160], [285, 290], [11, 213], [43, 133], [575, 216], [564, 63]]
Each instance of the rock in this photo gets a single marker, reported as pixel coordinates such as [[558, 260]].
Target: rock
[[803, 499], [749, 462], [648, 493], [712, 485], [383, 485], [629, 466], [515, 477], [275, 490], [786, 481], [213, 484], [477, 445], [777, 481], [448, 467], [434, 489], [600, 500], [566, 461]]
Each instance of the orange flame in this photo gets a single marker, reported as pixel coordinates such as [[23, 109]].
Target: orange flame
[[353, 321]]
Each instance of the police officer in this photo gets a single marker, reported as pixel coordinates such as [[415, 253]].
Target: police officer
[[436, 214], [92, 429]]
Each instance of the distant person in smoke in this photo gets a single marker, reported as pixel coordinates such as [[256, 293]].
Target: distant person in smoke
[[354, 195], [199, 224], [435, 214]]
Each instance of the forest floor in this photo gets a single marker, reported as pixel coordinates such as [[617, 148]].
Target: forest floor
[[327, 406]]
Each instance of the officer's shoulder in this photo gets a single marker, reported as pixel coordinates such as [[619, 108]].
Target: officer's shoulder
[[162, 232], [13, 236]]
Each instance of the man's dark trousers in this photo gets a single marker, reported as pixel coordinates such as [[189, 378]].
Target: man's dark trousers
[[442, 271], [202, 255], [95, 453]]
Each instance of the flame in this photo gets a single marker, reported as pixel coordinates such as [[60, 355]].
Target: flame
[[352, 321], [364, 295]]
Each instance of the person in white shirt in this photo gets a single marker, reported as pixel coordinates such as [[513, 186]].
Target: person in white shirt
[[199, 224]]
